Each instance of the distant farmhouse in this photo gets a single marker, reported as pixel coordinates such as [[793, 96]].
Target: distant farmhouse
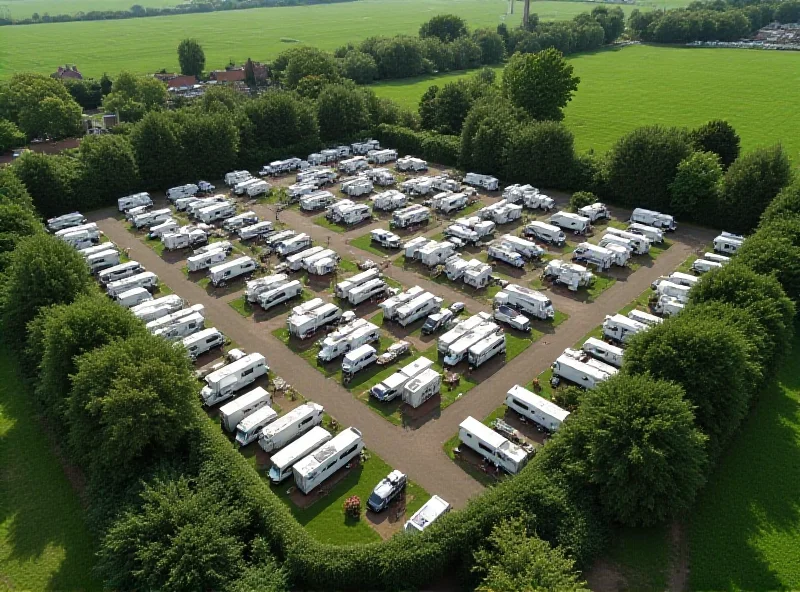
[[66, 72]]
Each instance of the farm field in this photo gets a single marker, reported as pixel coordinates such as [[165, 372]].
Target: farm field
[[44, 541], [147, 45], [641, 85], [20, 9]]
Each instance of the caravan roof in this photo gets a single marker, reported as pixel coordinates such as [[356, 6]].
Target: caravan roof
[[534, 400], [234, 367], [484, 432], [341, 442]]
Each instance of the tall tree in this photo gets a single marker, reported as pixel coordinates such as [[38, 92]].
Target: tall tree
[[769, 252], [10, 135], [191, 57], [719, 137], [51, 181], [342, 113], [447, 27], [108, 170], [694, 192], [155, 143], [40, 106], [542, 84], [16, 223], [785, 204]]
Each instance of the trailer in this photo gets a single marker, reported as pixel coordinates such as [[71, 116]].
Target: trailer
[[167, 226], [241, 187], [652, 218], [410, 216], [242, 220], [605, 352], [298, 191], [651, 232], [568, 368], [145, 279], [280, 167], [173, 318], [371, 289], [65, 221], [321, 464], [486, 182], [507, 255], [461, 328], [291, 426], [278, 294], [381, 177], [134, 200], [120, 272], [539, 410], [526, 300], [134, 296], [515, 193], [486, 349], [347, 338], [235, 177], [216, 212], [356, 360], [223, 383], [482, 228], [385, 238], [392, 386], [355, 214], [295, 262], [90, 227], [677, 277], [640, 243], [448, 202], [313, 201], [727, 243], [411, 164], [350, 166], [272, 240], [620, 329], [608, 241], [357, 187], [433, 509], [175, 193], [193, 208], [306, 325], [343, 288], [546, 233], [382, 156], [501, 212], [421, 388], [701, 266], [419, 307], [388, 201], [322, 262], [160, 307], [202, 342], [323, 157], [528, 249], [435, 253], [436, 321], [151, 218], [460, 349], [498, 450], [256, 230], [668, 288], [717, 258], [417, 186], [182, 327], [571, 275], [101, 248], [249, 429], [668, 306], [596, 211], [365, 147], [205, 260], [390, 306], [97, 262], [462, 233], [590, 254], [477, 274], [234, 412], [217, 246], [589, 360], [283, 461], [569, 221]]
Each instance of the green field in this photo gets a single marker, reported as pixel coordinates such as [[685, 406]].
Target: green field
[[149, 44], [641, 85], [20, 9], [44, 540]]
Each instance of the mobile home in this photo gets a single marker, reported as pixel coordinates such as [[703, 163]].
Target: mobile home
[[493, 447], [160, 307], [486, 349], [133, 297], [97, 262], [727, 243], [433, 509], [220, 274], [321, 464], [535, 408], [568, 368], [133, 201], [202, 342], [279, 294], [205, 260], [605, 352], [283, 461], [652, 218], [620, 328], [223, 383], [234, 412], [65, 221], [145, 279], [291, 426], [249, 429], [569, 221]]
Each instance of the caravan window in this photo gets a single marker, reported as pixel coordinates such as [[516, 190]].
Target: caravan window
[[247, 372], [483, 446], [348, 451], [212, 339], [305, 421], [520, 404], [332, 463]]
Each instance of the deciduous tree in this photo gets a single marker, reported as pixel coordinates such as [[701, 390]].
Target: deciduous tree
[[191, 57], [156, 146], [719, 137], [10, 135], [695, 190], [16, 223], [542, 84], [108, 170], [342, 113], [51, 181], [446, 27]]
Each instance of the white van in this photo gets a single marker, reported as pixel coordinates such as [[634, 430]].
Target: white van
[[283, 461], [202, 341], [250, 427], [145, 279], [358, 359]]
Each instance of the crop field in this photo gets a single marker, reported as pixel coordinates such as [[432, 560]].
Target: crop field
[[149, 44], [44, 540], [745, 531], [642, 85]]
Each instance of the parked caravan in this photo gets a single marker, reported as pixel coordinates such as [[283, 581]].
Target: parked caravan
[[165, 227], [411, 247], [249, 429], [205, 260], [392, 386], [160, 307], [514, 193], [447, 202], [134, 296], [65, 221], [293, 245], [365, 147], [410, 216], [145, 279], [486, 182], [350, 166], [419, 307], [173, 318], [641, 244], [305, 325], [79, 240], [321, 263], [218, 246], [501, 212], [651, 232], [390, 306], [306, 307], [477, 274], [417, 186], [571, 275], [495, 448], [716, 258], [569, 221], [668, 306], [94, 249], [355, 214], [183, 203], [462, 233], [175, 193], [435, 253], [120, 272], [223, 273], [279, 294], [193, 208], [621, 254], [234, 412], [506, 255], [382, 156], [152, 218], [89, 228], [183, 327], [348, 338], [295, 262], [460, 349], [577, 372], [539, 410], [343, 288], [433, 509], [257, 188], [526, 300], [582, 356], [727, 243], [526, 248], [461, 328], [372, 289], [357, 360], [596, 211], [677, 277], [357, 187], [386, 239], [668, 288], [701, 266], [321, 464], [291, 426], [422, 387], [283, 461], [202, 342], [316, 200], [609, 240], [388, 201], [605, 352], [272, 240], [436, 321], [512, 318], [235, 177], [546, 233], [103, 260], [652, 218], [223, 383], [386, 490], [255, 230], [241, 187], [219, 211], [242, 220], [590, 254], [620, 329], [411, 164], [134, 201], [486, 349], [382, 177]]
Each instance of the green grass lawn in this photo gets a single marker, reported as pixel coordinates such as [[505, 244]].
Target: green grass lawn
[[44, 541], [242, 306], [365, 243], [601, 284], [642, 556], [744, 533], [636, 77]]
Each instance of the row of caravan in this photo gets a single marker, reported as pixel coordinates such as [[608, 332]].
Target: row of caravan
[[476, 339]]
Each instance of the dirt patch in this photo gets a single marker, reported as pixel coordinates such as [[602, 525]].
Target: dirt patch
[[304, 501], [605, 576], [678, 580], [392, 519]]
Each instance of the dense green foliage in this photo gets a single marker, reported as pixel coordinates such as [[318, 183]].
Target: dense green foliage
[[342, 113], [581, 199], [542, 83], [695, 190], [87, 93], [718, 137], [10, 135], [40, 106], [16, 222], [191, 57], [131, 96], [445, 27]]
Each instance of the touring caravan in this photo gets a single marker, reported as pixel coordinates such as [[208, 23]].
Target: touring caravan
[[223, 383], [651, 218], [97, 262], [641, 244], [431, 511], [146, 279], [569, 221], [422, 387], [133, 297], [535, 408], [160, 307], [493, 447], [358, 359], [279, 294], [392, 386], [240, 221], [234, 412], [175, 193], [291, 426], [486, 349], [605, 352], [249, 429], [343, 288], [221, 274], [321, 464], [546, 233], [202, 342], [620, 329], [120, 272], [347, 338], [255, 230], [526, 300], [577, 372], [182, 327], [134, 201], [205, 260], [727, 243], [596, 211], [486, 182], [283, 461], [651, 232]]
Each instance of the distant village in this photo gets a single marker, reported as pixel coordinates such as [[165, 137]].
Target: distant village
[[776, 36]]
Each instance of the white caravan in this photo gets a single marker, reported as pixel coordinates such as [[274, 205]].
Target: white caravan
[[677, 277], [249, 429], [462, 233], [433, 509], [590, 254], [217, 246], [390, 200], [90, 228], [350, 166], [258, 188], [305, 325], [390, 306], [348, 338], [173, 318], [392, 386], [495, 448], [175, 193], [107, 246], [620, 329], [255, 230], [505, 254], [539, 410], [279, 294], [501, 212], [120, 272], [412, 164], [605, 352], [641, 244], [134, 201], [134, 296], [422, 387], [372, 289], [103, 260], [483, 181], [318, 466], [321, 262], [546, 233], [418, 308], [183, 327], [717, 258], [160, 307], [358, 359], [65, 221], [79, 240], [235, 177], [460, 349], [273, 239], [486, 349], [221, 274], [146, 279], [152, 218], [382, 156], [582, 356], [240, 221], [365, 147], [385, 238], [411, 247], [668, 306], [295, 262], [410, 216], [701, 266], [343, 288], [568, 368], [621, 254], [651, 232], [235, 411], [417, 186], [435, 253], [167, 226], [461, 328], [526, 300], [596, 211], [241, 187], [357, 187], [316, 200], [306, 307], [193, 208], [668, 288], [569, 221], [219, 211], [727, 243], [477, 274], [283, 461], [526, 248], [292, 425], [202, 342], [223, 383], [295, 244], [651, 218], [571, 275], [609, 240], [447, 202], [205, 260], [355, 214]]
